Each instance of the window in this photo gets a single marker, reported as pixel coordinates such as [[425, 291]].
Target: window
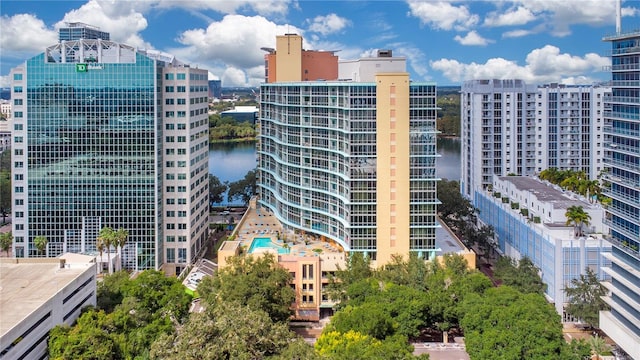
[[168, 88], [182, 201], [171, 239], [182, 189], [169, 114], [182, 238], [182, 255], [170, 164], [19, 176], [182, 226], [170, 139], [182, 151], [171, 201], [168, 102], [19, 201], [182, 101], [18, 139], [17, 77], [17, 126], [182, 89], [17, 89], [171, 213], [168, 76], [171, 189], [182, 113], [170, 151], [182, 213], [171, 226], [171, 255], [182, 126], [181, 76], [17, 101], [182, 139], [170, 176], [19, 189], [182, 164]]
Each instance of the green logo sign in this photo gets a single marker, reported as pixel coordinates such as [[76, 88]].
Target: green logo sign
[[81, 67]]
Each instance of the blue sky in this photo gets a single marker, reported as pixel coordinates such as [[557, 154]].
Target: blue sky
[[448, 42]]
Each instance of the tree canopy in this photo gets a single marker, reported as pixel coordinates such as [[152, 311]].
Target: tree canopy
[[522, 275], [584, 297], [6, 241], [216, 189], [125, 326], [257, 282], [244, 189]]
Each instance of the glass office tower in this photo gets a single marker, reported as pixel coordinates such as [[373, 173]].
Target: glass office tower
[[622, 158], [91, 138]]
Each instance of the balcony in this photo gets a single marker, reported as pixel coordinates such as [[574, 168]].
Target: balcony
[[623, 181], [622, 165], [625, 214], [621, 229], [631, 150], [610, 130], [621, 115], [622, 99], [618, 195]]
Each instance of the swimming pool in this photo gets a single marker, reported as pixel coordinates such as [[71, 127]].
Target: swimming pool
[[265, 242]]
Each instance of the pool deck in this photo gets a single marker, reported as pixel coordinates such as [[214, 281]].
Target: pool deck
[[261, 223]]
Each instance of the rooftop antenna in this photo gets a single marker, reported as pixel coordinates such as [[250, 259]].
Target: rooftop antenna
[[618, 16]]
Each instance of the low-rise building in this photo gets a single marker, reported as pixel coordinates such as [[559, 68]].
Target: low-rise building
[[36, 294], [528, 217]]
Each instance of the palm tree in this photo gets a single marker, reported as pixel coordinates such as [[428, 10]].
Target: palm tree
[[121, 236], [40, 243], [577, 217], [598, 346], [100, 247], [106, 236]]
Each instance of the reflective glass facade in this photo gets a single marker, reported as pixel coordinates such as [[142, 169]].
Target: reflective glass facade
[[622, 159], [90, 159]]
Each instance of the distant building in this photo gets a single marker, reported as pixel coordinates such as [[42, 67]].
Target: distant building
[[622, 147], [353, 162], [108, 135], [38, 294], [80, 31], [528, 217], [6, 124], [510, 127], [242, 114], [215, 89]]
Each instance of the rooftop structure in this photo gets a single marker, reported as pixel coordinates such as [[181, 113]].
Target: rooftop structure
[[38, 294]]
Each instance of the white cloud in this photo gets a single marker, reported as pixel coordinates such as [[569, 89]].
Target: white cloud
[[561, 14], [121, 19], [472, 38], [415, 58], [443, 15], [234, 77], [5, 81], [234, 41], [328, 24], [519, 16], [543, 65], [517, 33], [24, 35], [261, 7]]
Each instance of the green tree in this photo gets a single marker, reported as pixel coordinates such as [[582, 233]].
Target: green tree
[[5, 190], [455, 210], [258, 282], [106, 239], [40, 242], [244, 189], [230, 330], [522, 275], [584, 297], [504, 323], [216, 189], [6, 241], [577, 217], [358, 268], [352, 345]]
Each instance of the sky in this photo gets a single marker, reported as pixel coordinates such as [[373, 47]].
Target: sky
[[447, 41]]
